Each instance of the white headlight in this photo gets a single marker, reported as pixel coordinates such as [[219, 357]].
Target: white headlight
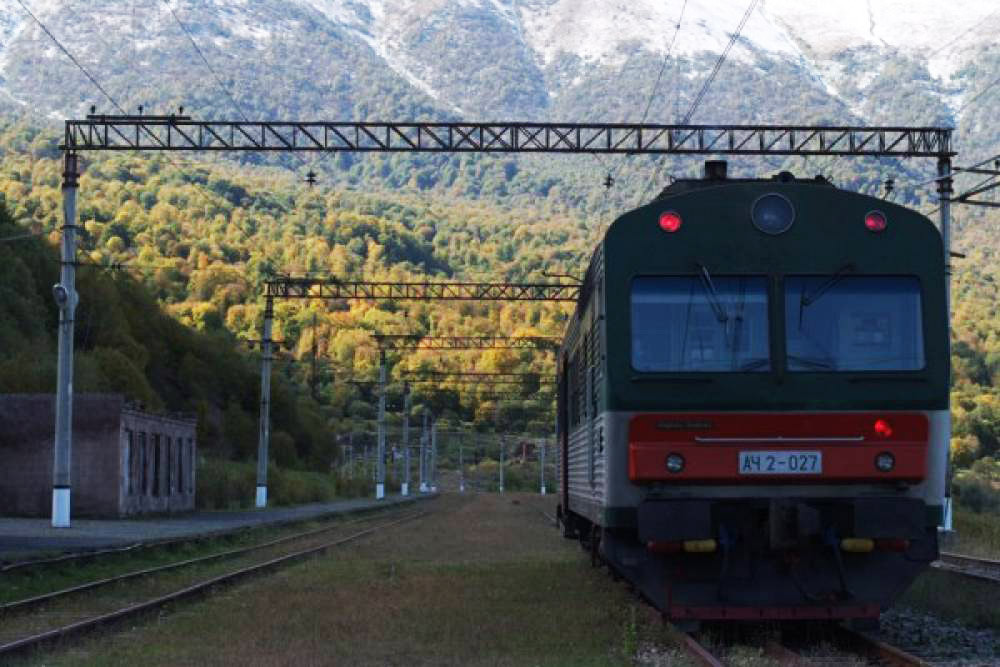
[[885, 462]]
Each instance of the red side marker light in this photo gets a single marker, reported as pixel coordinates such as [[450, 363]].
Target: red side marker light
[[882, 428], [670, 221], [875, 222]]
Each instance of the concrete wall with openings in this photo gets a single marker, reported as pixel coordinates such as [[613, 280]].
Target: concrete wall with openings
[[124, 461]]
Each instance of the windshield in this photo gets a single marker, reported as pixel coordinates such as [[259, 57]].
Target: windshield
[[703, 323], [853, 323]]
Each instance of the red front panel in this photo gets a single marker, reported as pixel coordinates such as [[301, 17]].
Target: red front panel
[[711, 443]]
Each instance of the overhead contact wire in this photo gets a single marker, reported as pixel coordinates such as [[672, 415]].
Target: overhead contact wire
[[659, 78], [201, 55], [69, 55]]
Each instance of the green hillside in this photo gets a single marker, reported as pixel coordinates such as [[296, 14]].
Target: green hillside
[[199, 238]]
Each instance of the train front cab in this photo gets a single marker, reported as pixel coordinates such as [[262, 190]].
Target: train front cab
[[776, 403]]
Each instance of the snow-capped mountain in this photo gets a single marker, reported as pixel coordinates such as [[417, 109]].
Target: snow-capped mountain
[[875, 61]]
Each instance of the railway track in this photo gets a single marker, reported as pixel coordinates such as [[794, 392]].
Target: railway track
[[854, 645], [970, 566], [88, 621], [170, 542]]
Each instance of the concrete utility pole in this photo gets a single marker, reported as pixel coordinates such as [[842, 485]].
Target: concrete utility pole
[[432, 467], [461, 459], [380, 474], [264, 439], [541, 462], [502, 456], [423, 452], [350, 447], [496, 431], [405, 490], [66, 298], [944, 199]]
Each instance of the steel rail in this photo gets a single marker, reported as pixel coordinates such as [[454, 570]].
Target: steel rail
[[81, 627], [984, 569], [27, 603], [701, 654], [783, 655], [176, 541], [879, 650]]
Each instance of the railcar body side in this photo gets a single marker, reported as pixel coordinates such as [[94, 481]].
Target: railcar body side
[[823, 345]]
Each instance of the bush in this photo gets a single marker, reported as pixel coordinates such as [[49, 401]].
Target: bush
[[231, 485], [225, 484], [964, 450], [976, 493]]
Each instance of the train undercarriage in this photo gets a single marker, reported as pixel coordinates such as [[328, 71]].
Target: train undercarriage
[[765, 559]]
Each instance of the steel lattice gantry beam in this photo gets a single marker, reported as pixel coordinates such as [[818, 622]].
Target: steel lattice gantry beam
[[418, 342], [181, 133], [327, 288], [451, 376]]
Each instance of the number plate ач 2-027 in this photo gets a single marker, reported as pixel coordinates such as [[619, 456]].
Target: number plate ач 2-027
[[781, 463]]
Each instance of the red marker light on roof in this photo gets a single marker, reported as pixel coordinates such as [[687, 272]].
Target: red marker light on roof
[[670, 221], [882, 428], [875, 221]]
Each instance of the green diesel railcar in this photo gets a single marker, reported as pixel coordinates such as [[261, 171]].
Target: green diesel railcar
[[753, 412]]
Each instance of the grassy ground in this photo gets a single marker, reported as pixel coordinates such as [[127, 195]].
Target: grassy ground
[[484, 580], [976, 534]]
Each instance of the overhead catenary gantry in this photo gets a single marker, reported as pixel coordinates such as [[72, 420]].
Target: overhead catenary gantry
[[168, 133], [334, 288], [420, 342], [181, 133]]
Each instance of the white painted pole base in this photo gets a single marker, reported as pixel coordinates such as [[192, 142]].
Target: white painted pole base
[[423, 487], [947, 527], [543, 489], [379, 491], [404, 489], [60, 508], [501, 488], [461, 487], [261, 496]]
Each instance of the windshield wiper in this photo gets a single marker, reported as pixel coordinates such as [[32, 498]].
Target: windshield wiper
[[814, 296], [815, 363], [754, 364], [809, 299], [713, 295]]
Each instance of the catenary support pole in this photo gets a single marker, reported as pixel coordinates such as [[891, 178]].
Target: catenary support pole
[[461, 459], [944, 197], [405, 490], [66, 298], [541, 463], [423, 452], [432, 467], [264, 439], [502, 457], [380, 463]]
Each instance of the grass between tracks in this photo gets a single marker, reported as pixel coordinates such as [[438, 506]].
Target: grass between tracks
[[483, 580]]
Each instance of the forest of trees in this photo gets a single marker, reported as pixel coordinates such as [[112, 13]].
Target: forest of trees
[[197, 239]]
